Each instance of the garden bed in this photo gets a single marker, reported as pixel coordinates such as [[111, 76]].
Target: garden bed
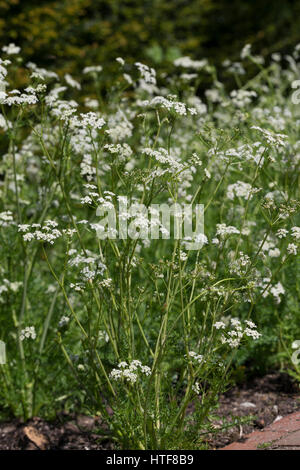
[[37, 434], [267, 399]]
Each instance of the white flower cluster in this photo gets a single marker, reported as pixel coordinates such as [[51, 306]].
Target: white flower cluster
[[292, 249], [187, 63], [88, 274], [11, 49], [240, 189], [199, 238], [170, 104], [276, 140], [40, 73], [277, 290], [89, 120], [15, 97], [246, 51], [213, 95], [282, 233], [119, 126], [61, 109], [233, 336], [244, 153], [129, 372], [123, 151], [3, 73], [91, 103], [83, 258], [78, 287], [4, 123], [223, 230], [196, 357], [147, 73], [48, 233], [6, 219], [73, 83], [196, 388], [90, 265], [9, 286], [162, 156], [236, 68], [266, 288], [241, 98], [103, 336], [63, 321], [120, 61], [28, 332], [296, 233], [106, 283], [240, 265], [93, 69]]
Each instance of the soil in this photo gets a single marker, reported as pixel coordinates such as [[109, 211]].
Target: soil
[[266, 399], [37, 434]]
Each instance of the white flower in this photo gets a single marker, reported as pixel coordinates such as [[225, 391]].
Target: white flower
[[223, 229], [233, 337], [28, 332], [296, 232], [252, 333], [282, 233], [103, 336], [48, 233], [274, 253], [63, 321], [276, 140], [11, 49], [147, 73], [93, 69], [120, 61], [89, 120], [28, 237], [183, 256], [240, 189], [73, 83], [122, 150], [241, 98], [292, 249], [219, 325], [196, 388], [6, 219], [277, 290], [2, 99], [130, 372], [122, 364], [246, 51], [86, 200], [207, 173], [187, 62], [197, 357]]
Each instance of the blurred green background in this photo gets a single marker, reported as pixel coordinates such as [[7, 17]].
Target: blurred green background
[[66, 35]]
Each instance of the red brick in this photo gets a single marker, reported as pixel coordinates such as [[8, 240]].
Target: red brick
[[285, 432], [291, 439]]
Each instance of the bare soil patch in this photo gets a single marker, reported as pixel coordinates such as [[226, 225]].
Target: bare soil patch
[[266, 398], [37, 434]]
